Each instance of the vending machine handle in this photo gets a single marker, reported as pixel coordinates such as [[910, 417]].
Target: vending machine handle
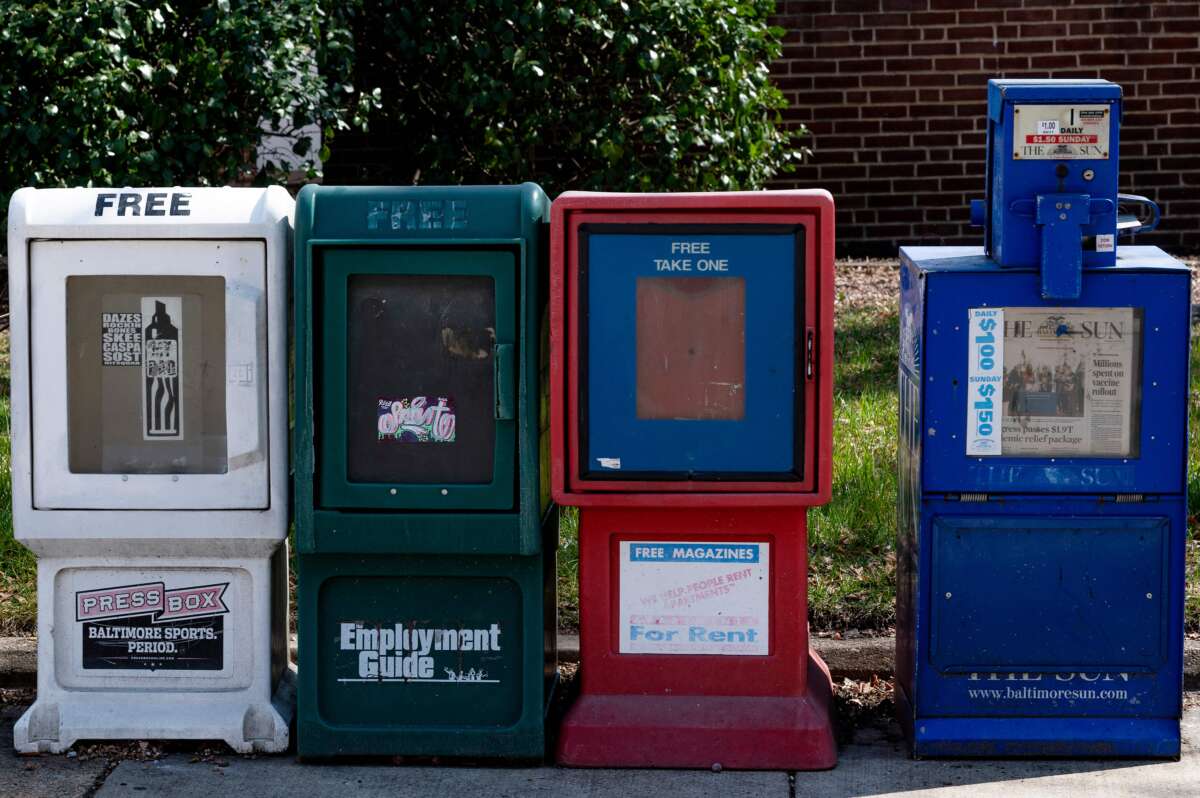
[[505, 381], [1128, 225]]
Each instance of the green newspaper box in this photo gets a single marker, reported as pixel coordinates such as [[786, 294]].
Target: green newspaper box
[[425, 536]]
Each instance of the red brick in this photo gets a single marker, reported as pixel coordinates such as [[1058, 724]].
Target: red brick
[[934, 48], [931, 19], [833, 112], [1127, 11], [1021, 46], [989, 16], [942, 170], [1155, 57], [1074, 13], [893, 170], [963, 95], [1126, 43], [1101, 58], [934, 78], [833, 171], [951, 125], [956, 64], [885, 50], [988, 47], [895, 35], [1111, 28], [1054, 61], [826, 35], [1185, 118], [892, 96], [1044, 30], [810, 98], [857, 5], [857, 126], [1165, 73], [837, 82], [890, 20], [970, 32], [836, 52], [858, 65], [1172, 103]]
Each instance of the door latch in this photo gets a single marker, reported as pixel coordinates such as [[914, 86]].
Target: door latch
[[503, 356]]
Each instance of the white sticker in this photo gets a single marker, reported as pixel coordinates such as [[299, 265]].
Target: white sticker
[[985, 380], [609, 462], [695, 597], [1106, 242], [161, 367], [121, 339], [1061, 132]]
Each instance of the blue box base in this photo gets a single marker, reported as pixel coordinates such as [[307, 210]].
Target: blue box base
[[1152, 738]]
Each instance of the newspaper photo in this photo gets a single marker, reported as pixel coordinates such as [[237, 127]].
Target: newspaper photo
[[1071, 382]]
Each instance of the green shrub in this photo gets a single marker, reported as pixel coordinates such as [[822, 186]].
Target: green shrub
[[118, 92], [601, 94]]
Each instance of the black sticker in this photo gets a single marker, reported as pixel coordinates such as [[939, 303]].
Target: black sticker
[[139, 643]]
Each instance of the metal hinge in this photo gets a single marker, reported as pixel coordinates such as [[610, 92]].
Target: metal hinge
[[810, 353], [966, 497], [1130, 498]]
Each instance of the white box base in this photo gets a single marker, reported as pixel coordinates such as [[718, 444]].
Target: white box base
[[122, 655], [49, 727]]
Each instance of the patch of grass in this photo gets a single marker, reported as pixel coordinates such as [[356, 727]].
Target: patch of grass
[[852, 540], [568, 569], [18, 567]]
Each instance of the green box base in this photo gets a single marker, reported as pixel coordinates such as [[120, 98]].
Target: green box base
[[425, 655]]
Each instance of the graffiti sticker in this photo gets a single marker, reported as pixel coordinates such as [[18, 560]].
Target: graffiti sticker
[[163, 339], [419, 419]]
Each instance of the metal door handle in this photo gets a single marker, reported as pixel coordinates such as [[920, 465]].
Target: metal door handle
[[505, 381]]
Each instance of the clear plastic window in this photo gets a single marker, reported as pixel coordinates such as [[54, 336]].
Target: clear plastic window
[[1072, 382], [691, 348], [422, 394], [146, 375]]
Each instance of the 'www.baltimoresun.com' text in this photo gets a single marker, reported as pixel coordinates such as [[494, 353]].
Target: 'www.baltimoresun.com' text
[[1028, 693]]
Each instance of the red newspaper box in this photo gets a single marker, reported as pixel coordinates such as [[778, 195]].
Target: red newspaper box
[[691, 348]]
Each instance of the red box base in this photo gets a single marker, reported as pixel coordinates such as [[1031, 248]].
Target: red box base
[[700, 731]]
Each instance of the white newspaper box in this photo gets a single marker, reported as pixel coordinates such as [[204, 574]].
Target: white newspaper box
[[149, 461]]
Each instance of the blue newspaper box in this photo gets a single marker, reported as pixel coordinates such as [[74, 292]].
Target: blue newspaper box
[[1042, 460]]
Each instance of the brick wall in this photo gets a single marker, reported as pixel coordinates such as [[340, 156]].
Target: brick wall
[[895, 94]]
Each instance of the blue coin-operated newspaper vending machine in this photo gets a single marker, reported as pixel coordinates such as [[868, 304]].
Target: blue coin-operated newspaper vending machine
[[1043, 448]]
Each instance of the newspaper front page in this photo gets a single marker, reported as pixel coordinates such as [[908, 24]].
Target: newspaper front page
[[1071, 382]]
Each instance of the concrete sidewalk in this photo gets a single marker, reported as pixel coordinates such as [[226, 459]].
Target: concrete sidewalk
[[873, 765]]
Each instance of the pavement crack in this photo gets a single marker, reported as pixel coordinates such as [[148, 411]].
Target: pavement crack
[[102, 777]]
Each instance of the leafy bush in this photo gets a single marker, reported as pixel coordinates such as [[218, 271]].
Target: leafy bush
[[125, 92], [605, 94]]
